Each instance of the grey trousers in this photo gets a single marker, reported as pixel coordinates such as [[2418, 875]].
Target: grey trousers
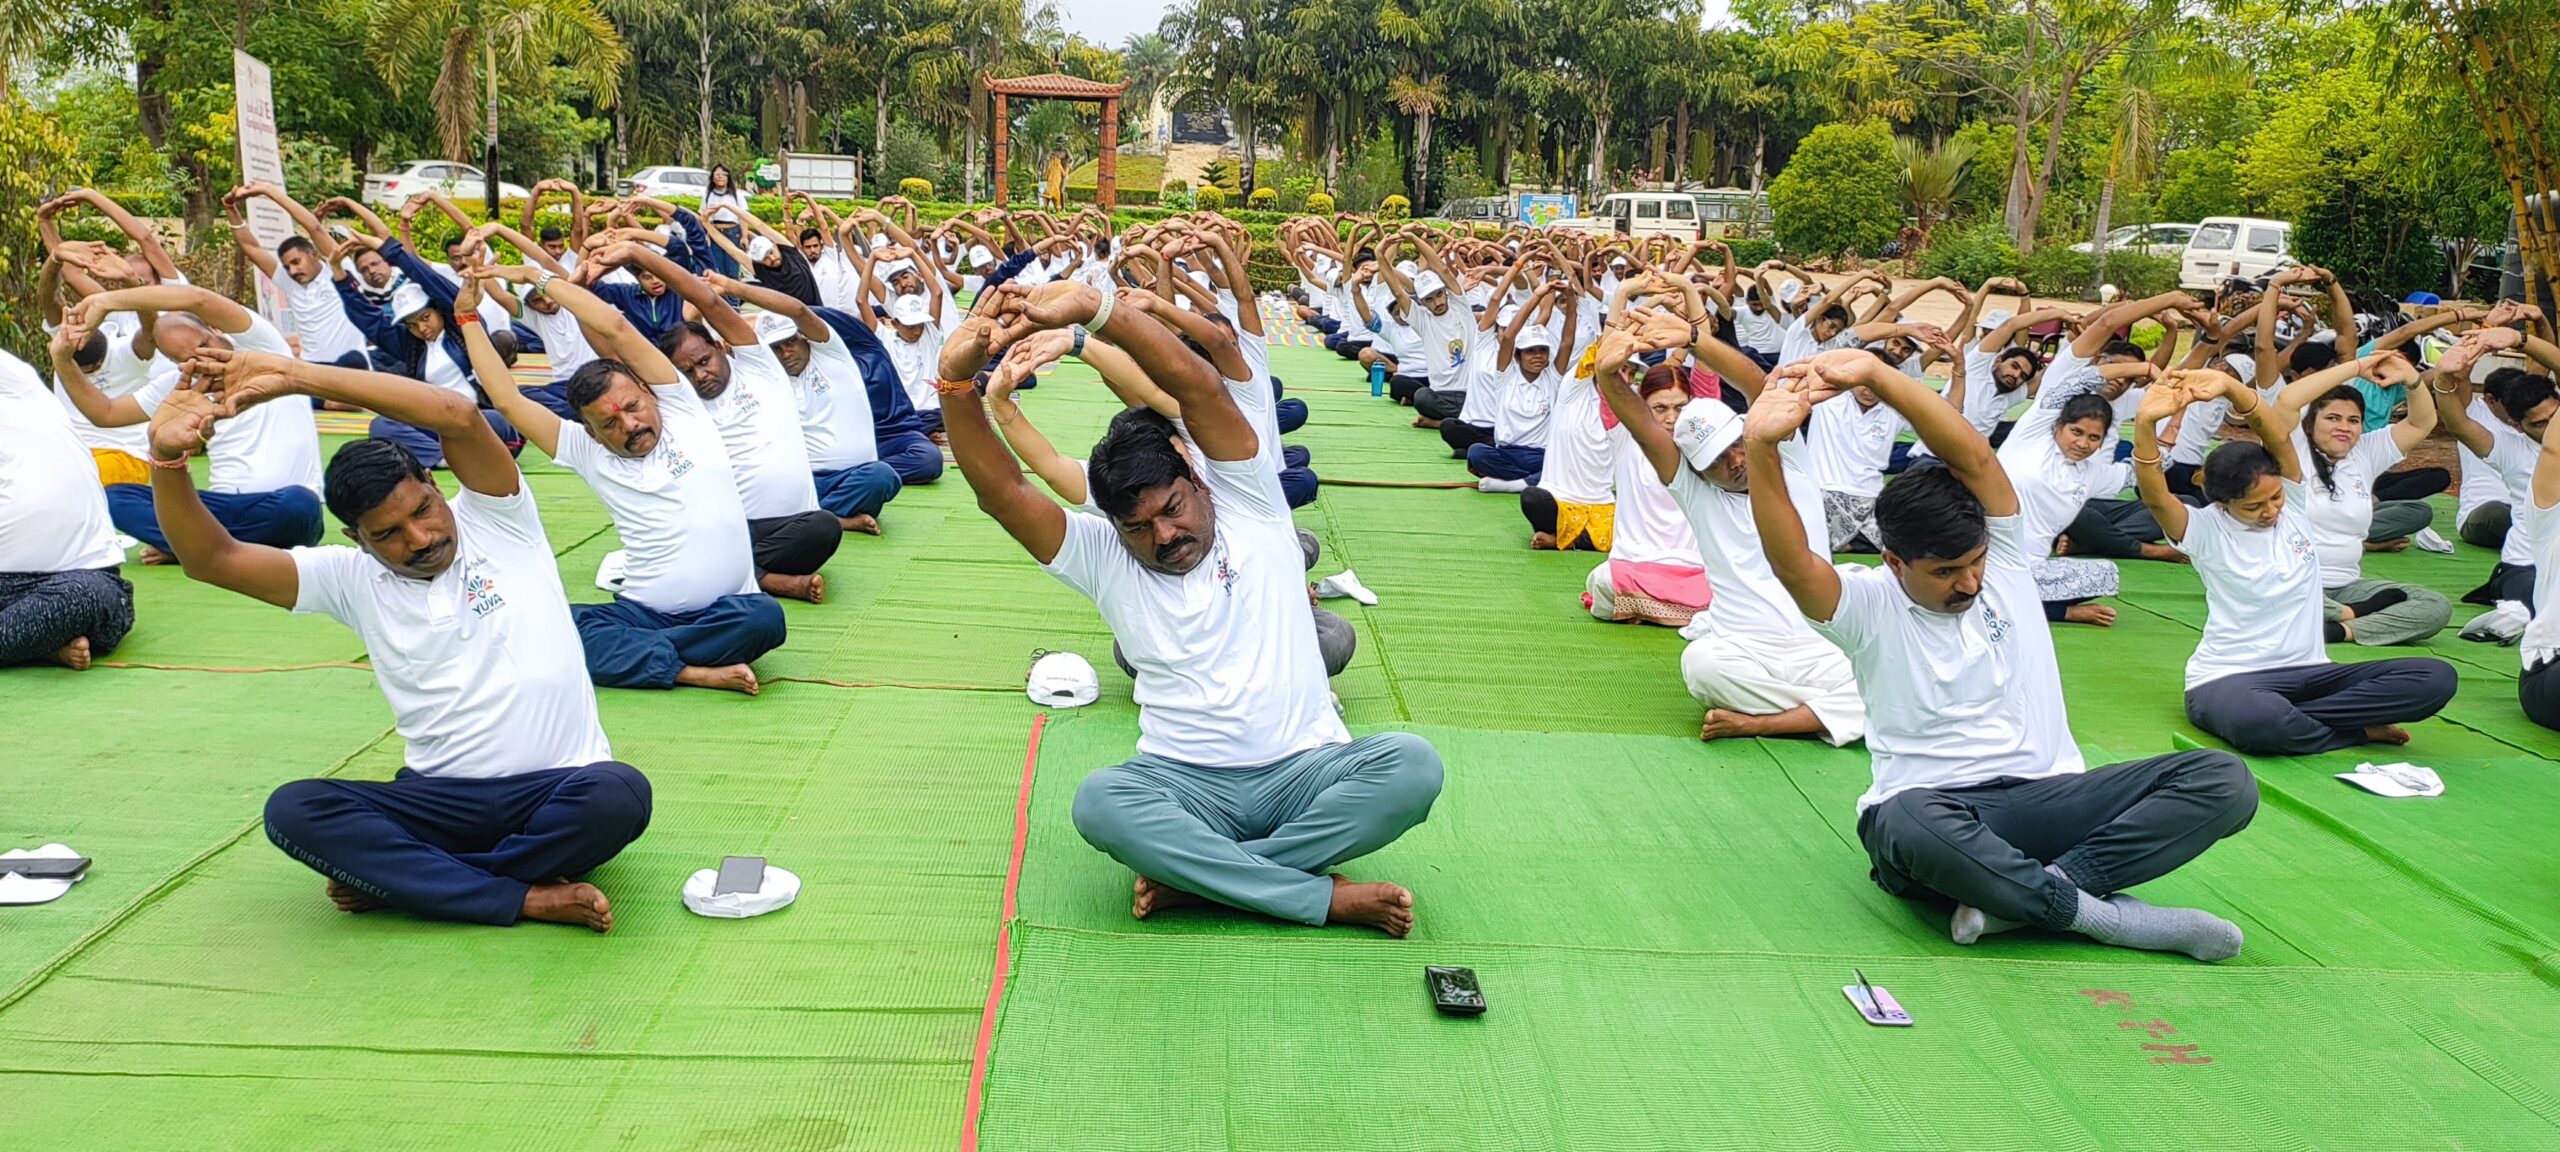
[[2424, 613], [42, 611], [2394, 519], [2113, 528], [1261, 839], [2313, 708], [2486, 526], [2111, 829]]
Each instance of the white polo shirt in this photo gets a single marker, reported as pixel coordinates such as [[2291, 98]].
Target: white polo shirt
[[268, 448], [2541, 527], [481, 665], [1445, 339], [1647, 527], [835, 408], [1749, 599], [918, 361], [2481, 484], [2262, 602], [2511, 458], [1954, 701], [1521, 417], [1228, 671], [759, 420], [1797, 343], [564, 342], [1577, 467], [1852, 445], [53, 515], [684, 532], [319, 317]]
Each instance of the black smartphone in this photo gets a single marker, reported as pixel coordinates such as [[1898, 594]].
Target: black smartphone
[[739, 874], [1454, 991], [47, 867]]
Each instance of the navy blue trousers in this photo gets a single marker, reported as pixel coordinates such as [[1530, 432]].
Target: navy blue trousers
[[554, 397], [631, 645], [862, 490], [1506, 461], [459, 849], [428, 447], [284, 518], [916, 459]]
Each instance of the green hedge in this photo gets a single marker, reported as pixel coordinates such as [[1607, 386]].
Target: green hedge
[[1970, 255]]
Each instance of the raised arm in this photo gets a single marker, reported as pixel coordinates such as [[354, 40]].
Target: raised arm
[[1614, 372], [603, 323], [472, 449], [242, 238], [1776, 415], [144, 239], [716, 313], [1063, 476], [206, 550], [2165, 399], [2102, 324], [95, 406], [216, 310], [994, 475], [1950, 437]]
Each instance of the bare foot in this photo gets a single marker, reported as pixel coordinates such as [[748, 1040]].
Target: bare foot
[[2399, 545], [2386, 734], [569, 904], [1385, 907], [2098, 614], [1150, 897], [350, 899], [74, 655], [2062, 545], [734, 677], [1543, 541], [2163, 552], [937, 437], [1425, 422], [151, 555], [867, 524], [812, 587], [1723, 725]]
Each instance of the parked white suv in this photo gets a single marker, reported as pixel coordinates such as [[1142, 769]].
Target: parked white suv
[[1640, 214], [666, 180], [2225, 247], [457, 181]]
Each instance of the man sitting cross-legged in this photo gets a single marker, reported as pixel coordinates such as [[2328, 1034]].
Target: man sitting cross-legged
[[1246, 787], [63, 597], [1980, 794], [510, 791], [689, 611]]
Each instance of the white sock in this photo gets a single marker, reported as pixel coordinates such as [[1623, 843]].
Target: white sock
[[1489, 484]]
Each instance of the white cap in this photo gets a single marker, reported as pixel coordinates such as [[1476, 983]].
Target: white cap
[[1533, 336], [1993, 318], [1407, 268], [1428, 285], [2109, 293], [1788, 290], [758, 248], [2244, 366], [910, 308], [16, 889], [774, 326], [894, 267], [408, 300], [1704, 431], [1063, 680]]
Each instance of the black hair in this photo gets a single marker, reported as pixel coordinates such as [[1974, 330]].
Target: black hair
[[92, 352], [2035, 363], [1363, 256], [2517, 391], [592, 380], [2086, 406], [363, 474], [551, 232], [1136, 453], [1837, 313], [293, 244], [673, 338], [1930, 514], [2122, 348], [2320, 462], [812, 234], [1884, 353], [2313, 356], [2233, 469]]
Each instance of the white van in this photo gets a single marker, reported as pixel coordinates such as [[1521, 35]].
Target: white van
[[1640, 214], [2225, 247]]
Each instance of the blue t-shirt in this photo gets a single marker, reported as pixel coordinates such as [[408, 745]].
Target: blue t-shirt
[[2380, 400]]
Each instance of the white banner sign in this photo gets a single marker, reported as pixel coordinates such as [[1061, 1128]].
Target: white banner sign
[[261, 163]]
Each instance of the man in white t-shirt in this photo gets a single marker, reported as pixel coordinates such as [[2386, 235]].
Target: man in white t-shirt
[[914, 341], [836, 426], [1980, 793], [2524, 406], [688, 611], [1246, 790], [509, 791], [749, 397], [62, 598], [2538, 690], [1752, 662], [265, 478], [299, 269]]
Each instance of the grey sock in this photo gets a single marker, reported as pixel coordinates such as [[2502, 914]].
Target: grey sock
[[2129, 923], [1970, 924]]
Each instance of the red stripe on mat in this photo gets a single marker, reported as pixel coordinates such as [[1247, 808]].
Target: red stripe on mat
[[1004, 941]]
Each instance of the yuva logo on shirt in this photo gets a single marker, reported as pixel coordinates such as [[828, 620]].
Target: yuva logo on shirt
[[678, 464], [1994, 623], [480, 591]]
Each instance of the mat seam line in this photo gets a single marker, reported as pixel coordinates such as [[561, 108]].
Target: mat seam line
[[975, 1099], [1377, 635]]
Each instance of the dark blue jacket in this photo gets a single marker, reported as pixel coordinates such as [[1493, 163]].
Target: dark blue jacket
[[392, 338], [891, 413]]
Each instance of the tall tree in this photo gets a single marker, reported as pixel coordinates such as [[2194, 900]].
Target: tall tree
[[477, 45], [1227, 54]]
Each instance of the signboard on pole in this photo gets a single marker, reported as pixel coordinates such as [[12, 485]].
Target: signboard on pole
[[261, 162], [1537, 210]]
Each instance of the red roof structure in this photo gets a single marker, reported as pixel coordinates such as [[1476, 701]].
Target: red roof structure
[[1060, 86]]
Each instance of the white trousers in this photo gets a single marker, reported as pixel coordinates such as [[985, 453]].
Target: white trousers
[[1766, 675]]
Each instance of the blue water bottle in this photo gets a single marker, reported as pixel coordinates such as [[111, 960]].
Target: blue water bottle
[[1377, 379]]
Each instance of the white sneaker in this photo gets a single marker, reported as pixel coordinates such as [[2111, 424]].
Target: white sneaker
[[2428, 540], [1489, 484], [1345, 583], [609, 573], [2503, 624]]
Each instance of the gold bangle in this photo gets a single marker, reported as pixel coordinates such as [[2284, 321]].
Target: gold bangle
[[2153, 462], [2253, 406]]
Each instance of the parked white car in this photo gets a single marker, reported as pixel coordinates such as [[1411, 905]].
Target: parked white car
[[2148, 239], [1640, 214], [2225, 247], [457, 181], [666, 180]]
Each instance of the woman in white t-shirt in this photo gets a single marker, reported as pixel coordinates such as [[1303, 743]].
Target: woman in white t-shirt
[[2055, 474], [2326, 413], [2260, 678], [1654, 574]]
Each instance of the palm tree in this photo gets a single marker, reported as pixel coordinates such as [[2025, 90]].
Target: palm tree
[[1149, 61], [1420, 99], [25, 26], [1229, 54], [1930, 177], [514, 40]]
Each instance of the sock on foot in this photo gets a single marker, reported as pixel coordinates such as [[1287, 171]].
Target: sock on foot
[[2333, 632], [2126, 922], [1970, 924]]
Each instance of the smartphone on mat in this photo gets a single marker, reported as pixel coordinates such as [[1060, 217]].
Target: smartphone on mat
[[1454, 991], [1876, 1005], [47, 867], [739, 874]]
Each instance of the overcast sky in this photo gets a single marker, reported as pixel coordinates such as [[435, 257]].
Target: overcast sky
[[1112, 21]]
